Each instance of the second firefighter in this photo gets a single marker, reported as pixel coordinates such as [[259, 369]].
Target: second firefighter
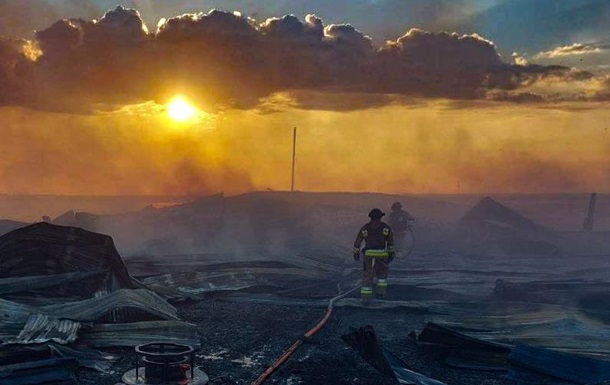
[[378, 252]]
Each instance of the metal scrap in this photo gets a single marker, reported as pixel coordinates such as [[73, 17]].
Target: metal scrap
[[54, 371], [145, 302], [564, 366], [21, 284], [137, 333], [365, 342], [41, 328], [43, 249]]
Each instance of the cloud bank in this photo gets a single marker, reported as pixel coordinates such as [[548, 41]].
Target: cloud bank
[[224, 58]]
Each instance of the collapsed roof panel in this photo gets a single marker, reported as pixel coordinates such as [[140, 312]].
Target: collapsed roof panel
[[43, 249], [569, 367], [489, 209], [22, 284], [544, 325], [95, 309]]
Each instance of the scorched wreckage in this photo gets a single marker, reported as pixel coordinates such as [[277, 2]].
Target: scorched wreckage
[[294, 287], [74, 311]]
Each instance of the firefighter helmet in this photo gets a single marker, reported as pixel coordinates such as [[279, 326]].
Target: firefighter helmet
[[376, 214], [396, 206]]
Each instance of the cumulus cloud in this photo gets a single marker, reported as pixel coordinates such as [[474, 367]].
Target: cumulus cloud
[[290, 27], [225, 58], [13, 62], [437, 64], [570, 50], [216, 26], [593, 55], [519, 59], [445, 51]]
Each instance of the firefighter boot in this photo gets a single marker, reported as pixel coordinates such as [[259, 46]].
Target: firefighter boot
[[382, 288], [366, 293]]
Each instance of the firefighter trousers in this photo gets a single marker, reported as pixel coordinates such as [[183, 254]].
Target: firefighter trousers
[[400, 240], [374, 267]]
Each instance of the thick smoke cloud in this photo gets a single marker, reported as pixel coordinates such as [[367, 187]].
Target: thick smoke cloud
[[223, 58]]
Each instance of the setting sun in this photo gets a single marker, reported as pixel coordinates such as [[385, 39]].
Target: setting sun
[[180, 110]]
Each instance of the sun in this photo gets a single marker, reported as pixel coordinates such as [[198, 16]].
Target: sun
[[179, 109]]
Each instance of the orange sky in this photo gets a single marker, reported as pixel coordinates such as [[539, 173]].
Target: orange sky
[[425, 146], [83, 105]]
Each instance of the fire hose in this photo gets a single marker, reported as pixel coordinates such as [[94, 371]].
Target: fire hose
[[290, 351]]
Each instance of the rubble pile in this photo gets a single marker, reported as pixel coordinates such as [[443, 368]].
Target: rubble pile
[[64, 292]]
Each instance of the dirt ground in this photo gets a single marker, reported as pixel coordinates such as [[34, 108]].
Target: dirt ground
[[239, 341]]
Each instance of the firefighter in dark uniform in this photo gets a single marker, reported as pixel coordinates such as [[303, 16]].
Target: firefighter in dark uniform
[[400, 221], [378, 253]]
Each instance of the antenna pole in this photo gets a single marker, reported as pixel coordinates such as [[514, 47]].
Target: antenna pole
[[294, 149]]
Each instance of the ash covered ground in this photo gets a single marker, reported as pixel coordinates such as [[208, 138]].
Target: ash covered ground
[[239, 341], [253, 273]]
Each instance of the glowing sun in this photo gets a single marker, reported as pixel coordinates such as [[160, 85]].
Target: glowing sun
[[180, 110]]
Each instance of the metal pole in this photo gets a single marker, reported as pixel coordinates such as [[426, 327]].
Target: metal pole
[[294, 149]]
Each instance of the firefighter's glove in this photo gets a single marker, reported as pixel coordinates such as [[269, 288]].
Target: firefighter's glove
[[391, 256], [356, 254]]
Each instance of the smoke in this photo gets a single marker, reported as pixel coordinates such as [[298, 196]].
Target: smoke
[[370, 118], [115, 153], [413, 146]]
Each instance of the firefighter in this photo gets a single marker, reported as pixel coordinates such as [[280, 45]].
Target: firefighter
[[378, 253], [400, 221]]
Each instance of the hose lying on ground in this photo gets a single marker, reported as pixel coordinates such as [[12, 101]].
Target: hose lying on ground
[[288, 353]]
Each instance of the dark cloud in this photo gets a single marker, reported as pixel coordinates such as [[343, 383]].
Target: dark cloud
[[13, 61], [290, 27], [517, 97], [437, 64], [445, 51], [225, 58], [215, 26]]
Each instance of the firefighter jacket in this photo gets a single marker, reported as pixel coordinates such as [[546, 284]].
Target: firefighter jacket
[[399, 220], [375, 237]]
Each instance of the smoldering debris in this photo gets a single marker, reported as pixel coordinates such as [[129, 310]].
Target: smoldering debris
[[365, 342], [522, 363], [43, 249], [493, 228], [68, 286], [474, 307]]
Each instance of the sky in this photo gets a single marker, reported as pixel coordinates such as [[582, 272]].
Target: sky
[[397, 96]]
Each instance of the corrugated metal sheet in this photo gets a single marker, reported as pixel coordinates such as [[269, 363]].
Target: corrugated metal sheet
[[136, 333], [21, 284], [89, 358], [142, 300], [16, 312], [366, 343], [22, 324], [43, 249], [41, 328], [55, 371], [145, 302]]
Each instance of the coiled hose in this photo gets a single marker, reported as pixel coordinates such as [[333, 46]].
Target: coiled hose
[[290, 351]]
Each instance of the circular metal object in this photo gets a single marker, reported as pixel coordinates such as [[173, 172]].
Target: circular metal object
[[165, 364], [199, 377]]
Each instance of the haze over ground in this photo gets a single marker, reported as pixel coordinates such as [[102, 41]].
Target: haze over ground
[[516, 101]]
